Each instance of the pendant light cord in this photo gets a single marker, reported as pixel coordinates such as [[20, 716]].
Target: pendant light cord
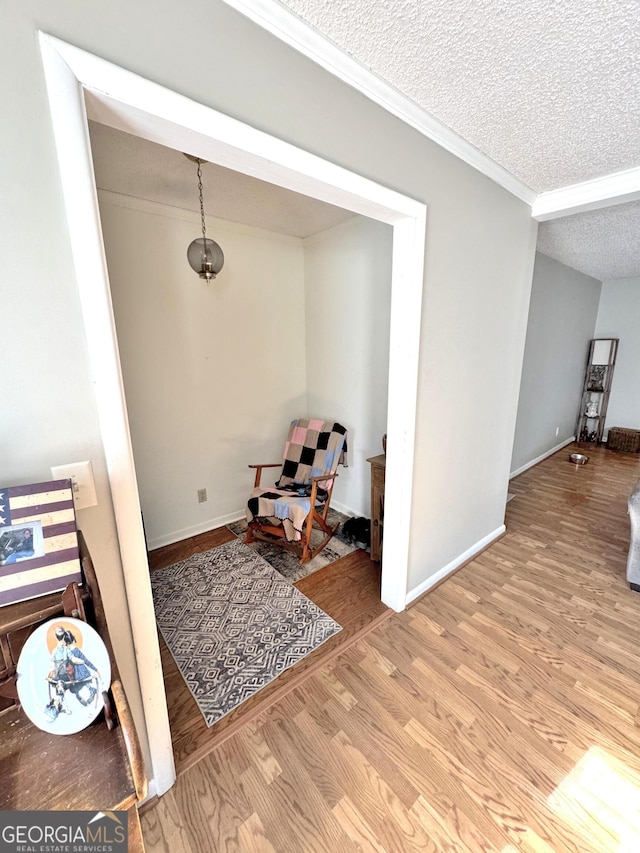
[[204, 229]]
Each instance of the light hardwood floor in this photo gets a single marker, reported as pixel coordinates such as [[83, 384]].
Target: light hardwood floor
[[499, 713], [348, 590]]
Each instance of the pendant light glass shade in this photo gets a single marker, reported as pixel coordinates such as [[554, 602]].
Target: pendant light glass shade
[[205, 257]]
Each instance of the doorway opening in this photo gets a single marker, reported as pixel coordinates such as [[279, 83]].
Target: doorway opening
[[296, 324], [82, 86]]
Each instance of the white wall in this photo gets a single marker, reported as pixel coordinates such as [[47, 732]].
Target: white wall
[[213, 374], [208, 387], [619, 317], [348, 295], [562, 318], [478, 266]]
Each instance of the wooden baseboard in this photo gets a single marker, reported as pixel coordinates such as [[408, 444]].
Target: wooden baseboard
[[149, 803]]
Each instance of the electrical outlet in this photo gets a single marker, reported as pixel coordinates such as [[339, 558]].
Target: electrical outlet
[[202, 496]]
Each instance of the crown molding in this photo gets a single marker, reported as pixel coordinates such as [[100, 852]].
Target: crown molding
[[290, 29], [616, 188]]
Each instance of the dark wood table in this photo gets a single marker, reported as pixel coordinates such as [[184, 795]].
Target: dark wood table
[[97, 768]]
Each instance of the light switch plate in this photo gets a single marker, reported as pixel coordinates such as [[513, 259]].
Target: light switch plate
[[81, 476]]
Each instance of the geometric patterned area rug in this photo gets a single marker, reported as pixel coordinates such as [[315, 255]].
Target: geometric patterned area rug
[[233, 624], [287, 563]]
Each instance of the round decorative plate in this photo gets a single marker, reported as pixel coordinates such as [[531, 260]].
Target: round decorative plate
[[62, 670]]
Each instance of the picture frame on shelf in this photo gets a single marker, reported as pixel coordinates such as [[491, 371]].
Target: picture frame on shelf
[[39, 551]]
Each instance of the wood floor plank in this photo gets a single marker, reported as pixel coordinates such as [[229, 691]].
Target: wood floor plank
[[378, 735], [321, 750], [394, 810], [499, 714], [270, 801], [213, 806], [404, 832], [316, 820], [453, 833], [256, 746], [479, 778], [356, 827], [164, 828], [386, 768], [252, 837]]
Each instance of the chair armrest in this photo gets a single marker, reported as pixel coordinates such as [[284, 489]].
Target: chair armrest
[[314, 486], [259, 470]]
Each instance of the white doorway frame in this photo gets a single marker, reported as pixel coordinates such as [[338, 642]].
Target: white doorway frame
[[82, 86]]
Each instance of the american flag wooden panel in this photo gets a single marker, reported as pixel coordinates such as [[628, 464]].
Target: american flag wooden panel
[[38, 540]]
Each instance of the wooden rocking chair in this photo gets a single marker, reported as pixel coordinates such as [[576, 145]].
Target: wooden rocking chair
[[287, 514]]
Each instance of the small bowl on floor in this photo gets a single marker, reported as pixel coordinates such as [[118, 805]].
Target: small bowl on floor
[[578, 459]]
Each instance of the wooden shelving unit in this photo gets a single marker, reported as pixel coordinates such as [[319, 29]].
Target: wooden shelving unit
[[596, 389]]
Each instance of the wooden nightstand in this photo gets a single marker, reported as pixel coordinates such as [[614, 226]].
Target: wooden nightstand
[[378, 465]]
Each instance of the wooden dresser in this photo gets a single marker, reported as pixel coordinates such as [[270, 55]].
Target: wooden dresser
[[100, 767], [378, 466]]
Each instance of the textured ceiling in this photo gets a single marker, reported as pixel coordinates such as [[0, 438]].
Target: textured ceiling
[[577, 241], [135, 167], [550, 90]]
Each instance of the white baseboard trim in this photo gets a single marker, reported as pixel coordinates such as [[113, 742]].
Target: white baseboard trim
[[212, 523], [541, 457], [186, 532], [345, 510], [432, 580]]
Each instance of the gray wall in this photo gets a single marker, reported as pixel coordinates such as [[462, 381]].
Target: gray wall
[[562, 318], [479, 258], [618, 317]]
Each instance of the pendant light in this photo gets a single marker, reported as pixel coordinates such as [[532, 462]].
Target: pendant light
[[204, 255]]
